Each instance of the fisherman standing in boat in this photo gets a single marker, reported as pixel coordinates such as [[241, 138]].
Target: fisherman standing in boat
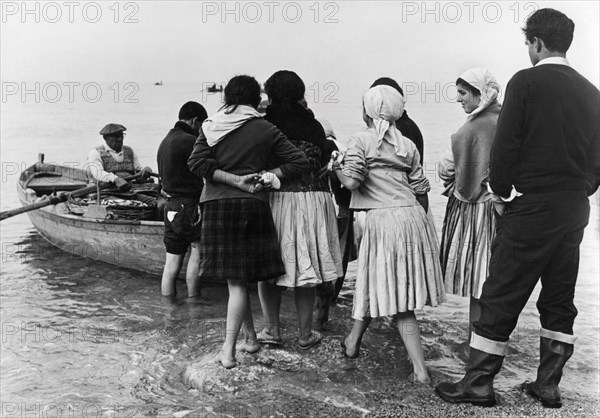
[[182, 190], [112, 161]]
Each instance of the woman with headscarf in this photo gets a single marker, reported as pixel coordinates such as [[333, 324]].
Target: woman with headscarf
[[398, 261], [303, 212], [238, 240], [469, 223], [405, 124]]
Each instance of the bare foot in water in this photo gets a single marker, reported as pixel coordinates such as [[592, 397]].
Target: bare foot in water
[[225, 361], [250, 346]]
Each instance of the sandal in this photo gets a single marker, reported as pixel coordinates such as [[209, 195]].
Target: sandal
[[316, 339], [264, 337]]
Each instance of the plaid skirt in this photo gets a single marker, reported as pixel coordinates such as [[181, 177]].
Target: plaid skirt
[[239, 241]]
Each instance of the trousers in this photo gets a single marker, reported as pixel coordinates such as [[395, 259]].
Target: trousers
[[537, 238]]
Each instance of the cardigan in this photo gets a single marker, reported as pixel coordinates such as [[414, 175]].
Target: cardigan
[[387, 179], [246, 150]]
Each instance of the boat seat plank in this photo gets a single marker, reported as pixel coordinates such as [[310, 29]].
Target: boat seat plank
[[49, 184]]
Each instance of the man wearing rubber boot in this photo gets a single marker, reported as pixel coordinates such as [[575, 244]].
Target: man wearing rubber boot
[[544, 163]]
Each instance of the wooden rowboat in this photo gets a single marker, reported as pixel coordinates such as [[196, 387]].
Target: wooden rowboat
[[130, 244]]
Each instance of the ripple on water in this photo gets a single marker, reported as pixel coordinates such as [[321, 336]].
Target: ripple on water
[[85, 332]]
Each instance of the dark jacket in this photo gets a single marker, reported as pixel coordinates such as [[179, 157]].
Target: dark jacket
[[409, 129]]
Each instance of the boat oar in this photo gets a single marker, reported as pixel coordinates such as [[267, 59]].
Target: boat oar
[[62, 197]]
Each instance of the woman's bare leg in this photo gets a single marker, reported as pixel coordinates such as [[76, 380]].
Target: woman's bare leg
[[237, 307], [250, 344], [354, 339], [270, 303], [411, 335], [305, 301]]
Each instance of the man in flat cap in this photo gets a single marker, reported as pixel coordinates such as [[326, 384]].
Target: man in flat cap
[[113, 161]]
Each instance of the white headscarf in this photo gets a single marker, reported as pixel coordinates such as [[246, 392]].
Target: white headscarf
[[217, 126], [483, 80], [385, 105]]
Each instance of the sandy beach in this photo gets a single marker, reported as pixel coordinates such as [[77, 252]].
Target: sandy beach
[[286, 381]]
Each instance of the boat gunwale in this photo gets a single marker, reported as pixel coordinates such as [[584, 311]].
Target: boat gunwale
[[25, 193]]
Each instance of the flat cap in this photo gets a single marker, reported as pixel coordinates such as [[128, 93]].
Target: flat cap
[[112, 128]]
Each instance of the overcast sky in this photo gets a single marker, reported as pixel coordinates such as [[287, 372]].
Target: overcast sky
[[343, 41]]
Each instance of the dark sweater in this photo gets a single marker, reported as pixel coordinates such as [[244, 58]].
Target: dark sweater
[[176, 178], [409, 129], [547, 138], [246, 150]]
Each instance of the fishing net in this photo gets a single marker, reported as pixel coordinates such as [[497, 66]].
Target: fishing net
[[116, 208]]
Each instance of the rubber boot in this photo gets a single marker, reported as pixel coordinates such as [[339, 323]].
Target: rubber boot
[[553, 356], [476, 387]]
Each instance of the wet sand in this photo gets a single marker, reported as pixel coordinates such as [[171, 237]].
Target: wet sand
[[289, 382]]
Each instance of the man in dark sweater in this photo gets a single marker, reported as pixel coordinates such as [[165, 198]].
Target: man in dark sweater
[[544, 163], [182, 190]]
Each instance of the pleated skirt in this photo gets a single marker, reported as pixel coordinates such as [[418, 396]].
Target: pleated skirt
[[467, 235], [238, 241], [306, 226], [398, 264]]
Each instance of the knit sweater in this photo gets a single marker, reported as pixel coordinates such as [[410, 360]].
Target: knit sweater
[[176, 178], [548, 137]]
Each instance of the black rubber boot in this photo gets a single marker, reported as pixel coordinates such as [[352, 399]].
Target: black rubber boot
[[553, 356], [476, 387]]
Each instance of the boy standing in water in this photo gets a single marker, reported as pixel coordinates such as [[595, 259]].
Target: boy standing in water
[[182, 190]]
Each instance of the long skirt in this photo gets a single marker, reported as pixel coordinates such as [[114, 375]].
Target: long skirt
[[467, 235], [238, 241], [398, 264], [306, 226]]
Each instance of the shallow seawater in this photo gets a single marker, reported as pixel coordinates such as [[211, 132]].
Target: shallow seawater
[[83, 338]]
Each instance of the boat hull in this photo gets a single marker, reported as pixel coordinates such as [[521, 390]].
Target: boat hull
[[135, 245]]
